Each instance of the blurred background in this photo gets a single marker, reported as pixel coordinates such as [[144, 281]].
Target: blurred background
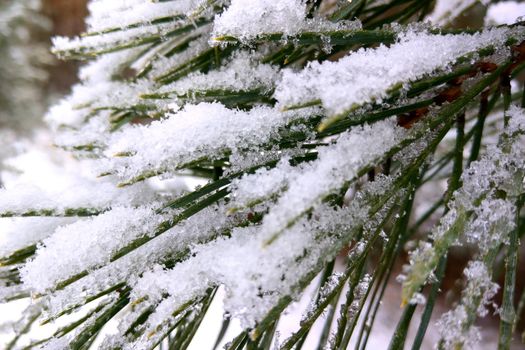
[[31, 78], [67, 19]]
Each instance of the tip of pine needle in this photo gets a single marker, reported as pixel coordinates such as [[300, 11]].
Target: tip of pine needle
[[138, 301], [232, 211], [103, 175], [322, 127], [151, 334], [265, 244], [121, 154], [270, 240], [225, 39], [324, 124]]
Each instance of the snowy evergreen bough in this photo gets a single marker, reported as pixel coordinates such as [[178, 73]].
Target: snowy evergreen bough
[[326, 137]]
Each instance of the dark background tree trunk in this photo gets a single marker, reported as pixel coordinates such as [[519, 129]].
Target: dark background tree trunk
[[67, 17]]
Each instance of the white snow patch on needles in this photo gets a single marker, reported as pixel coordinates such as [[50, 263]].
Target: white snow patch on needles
[[197, 132], [368, 75], [336, 164], [87, 244], [248, 18], [119, 14]]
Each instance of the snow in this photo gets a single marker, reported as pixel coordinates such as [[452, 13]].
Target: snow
[[19, 233], [131, 24], [516, 121], [101, 90], [263, 184], [492, 225], [336, 165], [87, 244], [477, 215], [56, 189], [198, 229], [456, 326], [255, 276], [186, 136], [100, 43], [504, 12], [104, 13], [198, 44], [96, 90], [248, 18], [241, 73], [26, 198], [370, 75]]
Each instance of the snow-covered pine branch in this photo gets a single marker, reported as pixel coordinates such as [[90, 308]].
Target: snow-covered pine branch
[[313, 128]]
